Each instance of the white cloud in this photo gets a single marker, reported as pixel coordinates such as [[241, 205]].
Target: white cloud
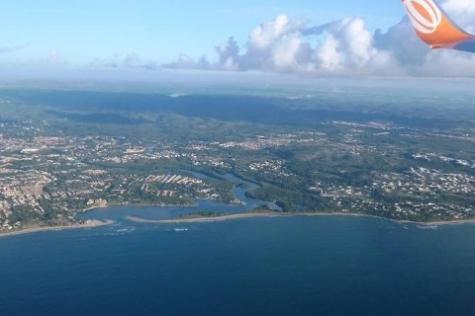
[[266, 34], [348, 45], [343, 47], [464, 11], [328, 54], [286, 45], [228, 55]]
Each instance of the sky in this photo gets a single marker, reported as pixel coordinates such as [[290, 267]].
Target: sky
[[309, 36]]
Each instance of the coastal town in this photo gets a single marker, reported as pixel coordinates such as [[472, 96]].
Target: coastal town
[[53, 178], [50, 170]]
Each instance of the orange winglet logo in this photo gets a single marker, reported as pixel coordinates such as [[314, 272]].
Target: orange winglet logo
[[432, 25], [425, 17]]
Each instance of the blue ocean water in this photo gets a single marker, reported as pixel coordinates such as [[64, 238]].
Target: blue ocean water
[[266, 266]]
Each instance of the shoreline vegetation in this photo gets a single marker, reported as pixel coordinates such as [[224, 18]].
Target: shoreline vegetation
[[37, 229]]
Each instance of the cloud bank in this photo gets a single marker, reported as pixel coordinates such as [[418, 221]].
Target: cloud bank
[[128, 61], [342, 47]]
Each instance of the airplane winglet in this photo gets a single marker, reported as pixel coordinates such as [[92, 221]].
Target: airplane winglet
[[433, 26]]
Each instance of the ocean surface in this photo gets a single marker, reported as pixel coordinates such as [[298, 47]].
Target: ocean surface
[[260, 266], [265, 266]]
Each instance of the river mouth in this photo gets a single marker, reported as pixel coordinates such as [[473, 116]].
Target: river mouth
[[243, 204]]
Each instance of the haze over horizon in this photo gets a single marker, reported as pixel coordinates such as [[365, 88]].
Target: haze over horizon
[[309, 37]]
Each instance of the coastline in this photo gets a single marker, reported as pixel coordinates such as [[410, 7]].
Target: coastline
[[224, 218], [439, 223], [238, 216], [31, 230]]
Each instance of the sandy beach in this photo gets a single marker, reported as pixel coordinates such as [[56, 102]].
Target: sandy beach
[[439, 223], [87, 224], [223, 218], [200, 219], [238, 216]]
